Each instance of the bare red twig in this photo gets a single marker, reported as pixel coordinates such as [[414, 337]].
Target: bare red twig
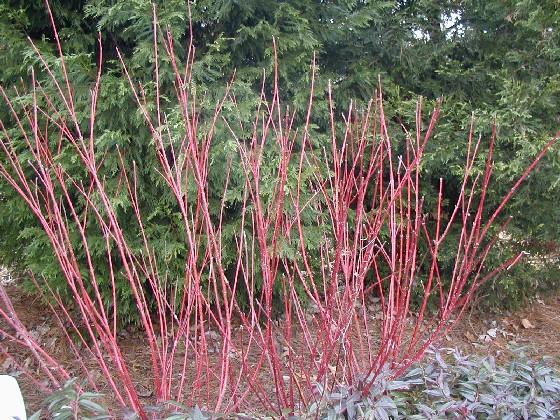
[[366, 202]]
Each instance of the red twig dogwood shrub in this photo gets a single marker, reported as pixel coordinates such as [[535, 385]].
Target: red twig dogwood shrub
[[377, 245]]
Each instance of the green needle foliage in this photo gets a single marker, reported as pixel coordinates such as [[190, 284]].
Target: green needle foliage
[[496, 59]]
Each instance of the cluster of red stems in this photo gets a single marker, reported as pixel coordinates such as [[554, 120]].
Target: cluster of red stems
[[337, 345]]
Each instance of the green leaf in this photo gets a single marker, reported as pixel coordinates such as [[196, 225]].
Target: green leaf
[[91, 405], [35, 416]]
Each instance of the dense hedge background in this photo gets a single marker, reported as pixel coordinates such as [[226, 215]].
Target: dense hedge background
[[497, 60]]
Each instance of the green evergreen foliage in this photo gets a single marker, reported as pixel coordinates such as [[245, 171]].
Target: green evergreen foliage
[[496, 59]]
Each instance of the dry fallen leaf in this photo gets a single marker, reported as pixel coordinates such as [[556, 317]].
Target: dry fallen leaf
[[470, 337], [492, 332], [143, 391], [526, 323], [7, 363]]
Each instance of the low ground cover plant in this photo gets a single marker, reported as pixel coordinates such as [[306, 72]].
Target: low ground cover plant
[[325, 226], [445, 385], [449, 384]]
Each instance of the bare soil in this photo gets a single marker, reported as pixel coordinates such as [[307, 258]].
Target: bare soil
[[537, 327]]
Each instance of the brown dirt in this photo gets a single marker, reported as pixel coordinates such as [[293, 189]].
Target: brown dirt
[[536, 326]]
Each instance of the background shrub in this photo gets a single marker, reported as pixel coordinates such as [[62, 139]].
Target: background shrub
[[420, 48]]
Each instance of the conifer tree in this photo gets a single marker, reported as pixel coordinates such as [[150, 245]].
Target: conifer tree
[[496, 59]]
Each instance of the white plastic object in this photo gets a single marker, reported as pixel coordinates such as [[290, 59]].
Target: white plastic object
[[11, 400]]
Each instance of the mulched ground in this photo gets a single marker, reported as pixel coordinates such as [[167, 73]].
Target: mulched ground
[[536, 326]]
